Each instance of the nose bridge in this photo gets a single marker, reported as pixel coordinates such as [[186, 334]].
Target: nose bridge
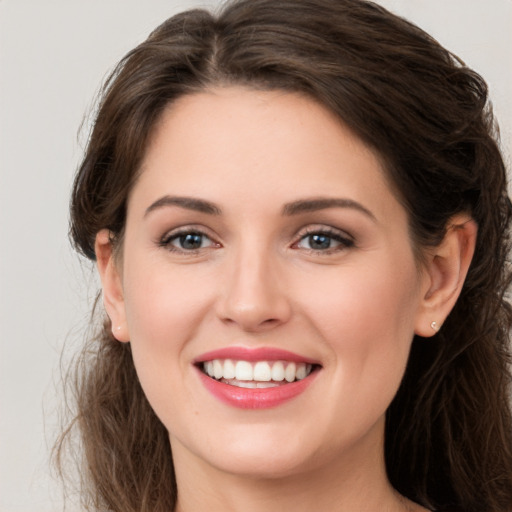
[[254, 296]]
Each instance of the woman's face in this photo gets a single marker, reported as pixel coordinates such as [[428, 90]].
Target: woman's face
[[263, 245]]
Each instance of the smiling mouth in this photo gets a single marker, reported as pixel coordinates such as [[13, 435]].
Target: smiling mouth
[[256, 374]]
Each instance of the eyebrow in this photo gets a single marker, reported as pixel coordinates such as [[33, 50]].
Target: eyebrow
[[321, 203], [293, 208], [189, 203]]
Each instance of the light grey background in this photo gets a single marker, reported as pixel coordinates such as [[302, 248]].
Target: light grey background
[[53, 56]]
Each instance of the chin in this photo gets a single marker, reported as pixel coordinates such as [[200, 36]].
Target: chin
[[256, 451], [265, 465]]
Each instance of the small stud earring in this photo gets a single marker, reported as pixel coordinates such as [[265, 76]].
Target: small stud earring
[[434, 326]]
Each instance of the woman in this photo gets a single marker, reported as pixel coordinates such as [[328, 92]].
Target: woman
[[300, 220]]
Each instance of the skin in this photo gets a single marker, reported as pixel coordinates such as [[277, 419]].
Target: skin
[[257, 281]]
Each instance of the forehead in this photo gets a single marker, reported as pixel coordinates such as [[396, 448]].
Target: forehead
[[231, 143]]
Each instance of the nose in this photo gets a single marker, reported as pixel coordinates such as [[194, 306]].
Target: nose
[[253, 295]]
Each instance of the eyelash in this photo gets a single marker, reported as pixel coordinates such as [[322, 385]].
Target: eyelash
[[343, 241], [168, 238]]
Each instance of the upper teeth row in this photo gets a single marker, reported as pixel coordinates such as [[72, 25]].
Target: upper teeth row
[[263, 371]]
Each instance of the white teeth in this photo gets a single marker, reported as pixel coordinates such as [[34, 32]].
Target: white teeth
[[246, 384], [243, 370], [218, 370], [250, 384], [229, 369], [266, 384], [289, 373], [261, 373], [301, 372], [278, 371]]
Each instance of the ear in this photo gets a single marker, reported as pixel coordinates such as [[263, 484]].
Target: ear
[[112, 285], [445, 271]]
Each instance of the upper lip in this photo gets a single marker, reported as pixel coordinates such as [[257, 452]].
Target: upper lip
[[239, 353]]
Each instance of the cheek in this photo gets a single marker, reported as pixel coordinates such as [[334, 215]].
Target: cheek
[[366, 316], [367, 300], [164, 309], [162, 302]]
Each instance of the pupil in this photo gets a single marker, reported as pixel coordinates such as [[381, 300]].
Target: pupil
[[191, 241], [319, 242]]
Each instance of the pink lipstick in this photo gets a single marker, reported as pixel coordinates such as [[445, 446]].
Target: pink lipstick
[[255, 378]]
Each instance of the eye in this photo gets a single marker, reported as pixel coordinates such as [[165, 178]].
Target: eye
[[187, 241], [324, 240]]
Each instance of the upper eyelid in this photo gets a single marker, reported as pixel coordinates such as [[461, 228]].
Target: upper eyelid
[[190, 228], [178, 234], [319, 228]]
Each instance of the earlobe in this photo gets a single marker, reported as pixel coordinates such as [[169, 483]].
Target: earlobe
[[445, 273], [111, 283]]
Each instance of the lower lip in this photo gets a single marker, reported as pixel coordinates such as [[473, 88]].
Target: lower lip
[[256, 398]]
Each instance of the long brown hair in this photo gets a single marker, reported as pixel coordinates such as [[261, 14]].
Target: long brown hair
[[449, 429]]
